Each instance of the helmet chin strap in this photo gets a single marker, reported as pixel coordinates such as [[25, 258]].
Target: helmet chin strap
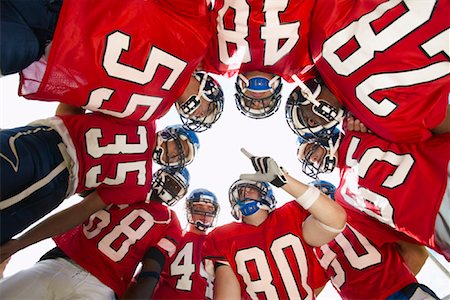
[[306, 92], [192, 103], [321, 108], [248, 208], [200, 226]]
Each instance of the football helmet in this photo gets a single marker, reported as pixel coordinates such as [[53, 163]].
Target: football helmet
[[170, 185], [206, 197], [308, 148], [242, 206], [176, 133], [303, 95], [211, 91], [258, 108], [325, 187]]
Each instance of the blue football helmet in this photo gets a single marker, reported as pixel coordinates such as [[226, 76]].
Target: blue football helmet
[[170, 185], [258, 108], [176, 133], [242, 206], [325, 187], [296, 106], [206, 197], [307, 148], [211, 91]]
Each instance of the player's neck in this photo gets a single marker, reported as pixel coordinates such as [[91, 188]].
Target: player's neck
[[257, 218]]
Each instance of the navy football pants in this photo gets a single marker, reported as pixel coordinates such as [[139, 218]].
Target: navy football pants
[[33, 177], [25, 29]]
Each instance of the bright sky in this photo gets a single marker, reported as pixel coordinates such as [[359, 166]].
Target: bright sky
[[218, 164]]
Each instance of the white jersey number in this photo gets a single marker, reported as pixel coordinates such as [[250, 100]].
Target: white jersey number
[[183, 265], [369, 257], [116, 44], [371, 202], [264, 284], [272, 32], [416, 14], [120, 146], [113, 244]]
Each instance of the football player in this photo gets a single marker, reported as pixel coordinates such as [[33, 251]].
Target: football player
[[318, 155], [201, 103], [382, 179], [387, 62], [270, 251], [371, 264], [97, 259], [25, 30], [184, 276], [52, 159], [261, 42], [128, 65]]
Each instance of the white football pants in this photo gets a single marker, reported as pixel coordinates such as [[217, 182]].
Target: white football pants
[[54, 279]]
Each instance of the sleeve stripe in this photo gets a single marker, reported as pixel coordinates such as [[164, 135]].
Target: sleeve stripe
[[167, 245]]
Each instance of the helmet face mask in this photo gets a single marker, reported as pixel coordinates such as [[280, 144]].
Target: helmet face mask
[[258, 108], [328, 159], [242, 206], [202, 209], [170, 185], [304, 154], [307, 115], [210, 91], [178, 135]]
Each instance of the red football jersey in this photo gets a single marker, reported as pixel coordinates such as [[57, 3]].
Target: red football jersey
[[386, 61], [401, 185], [269, 36], [362, 267], [129, 59], [114, 157], [113, 241], [271, 261], [184, 276]]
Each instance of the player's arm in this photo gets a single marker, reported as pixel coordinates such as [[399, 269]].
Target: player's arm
[[317, 291], [54, 225], [148, 277], [444, 127], [67, 109], [327, 218], [414, 255], [226, 285], [3, 267]]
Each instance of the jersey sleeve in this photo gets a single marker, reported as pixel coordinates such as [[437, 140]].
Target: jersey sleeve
[[211, 253], [168, 243]]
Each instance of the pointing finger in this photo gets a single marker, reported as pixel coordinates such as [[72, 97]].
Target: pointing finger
[[246, 153]]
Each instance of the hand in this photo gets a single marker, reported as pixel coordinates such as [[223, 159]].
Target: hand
[[266, 170], [354, 124], [8, 249]]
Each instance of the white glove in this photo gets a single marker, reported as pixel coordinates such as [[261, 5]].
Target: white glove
[[266, 170]]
